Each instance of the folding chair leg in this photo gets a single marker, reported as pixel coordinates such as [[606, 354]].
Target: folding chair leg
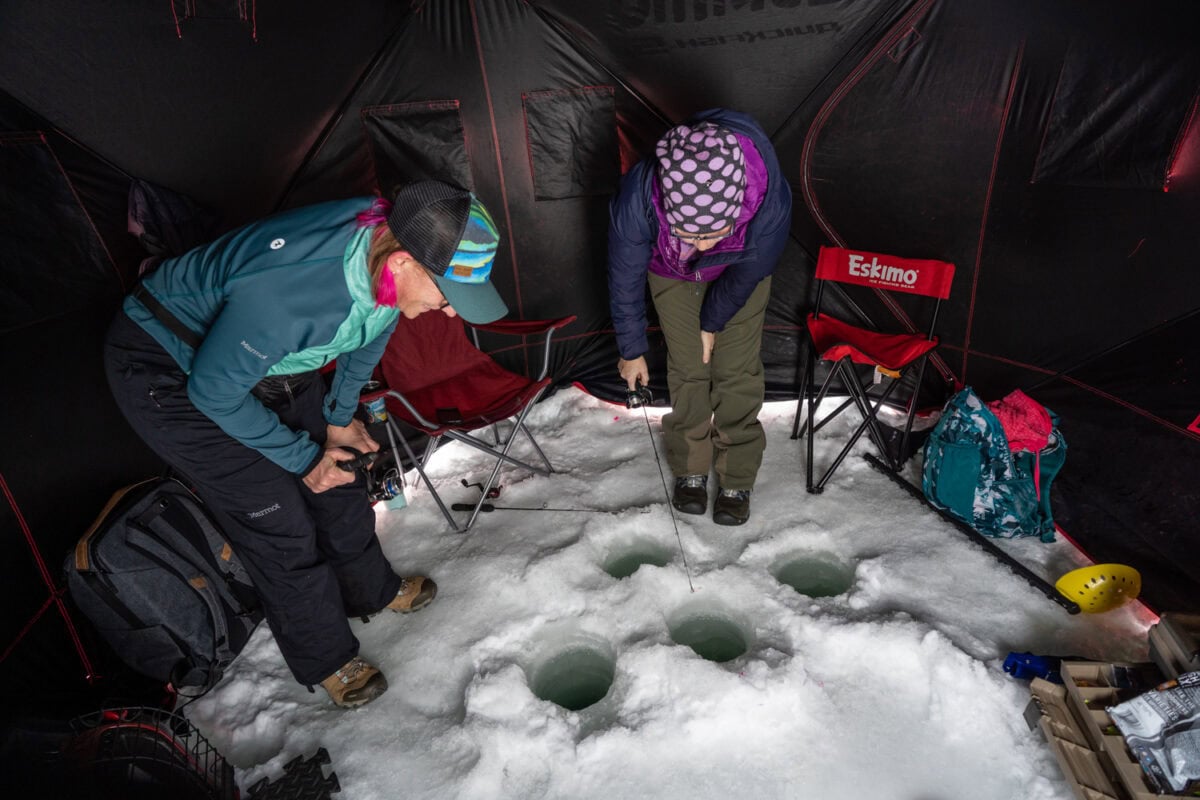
[[811, 426], [869, 423], [497, 441], [393, 435], [871, 417], [799, 428], [503, 457], [912, 412], [537, 448], [516, 462], [805, 390], [851, 385]]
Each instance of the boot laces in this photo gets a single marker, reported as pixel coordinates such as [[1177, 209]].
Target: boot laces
[[351, 672]]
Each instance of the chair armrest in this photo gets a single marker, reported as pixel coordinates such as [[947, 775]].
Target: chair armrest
[[530, 327], [525, 327], [429, 426]]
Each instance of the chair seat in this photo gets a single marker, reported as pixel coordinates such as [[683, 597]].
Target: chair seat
[[434, 377], [468, 401], [845, 345], [834, 340]]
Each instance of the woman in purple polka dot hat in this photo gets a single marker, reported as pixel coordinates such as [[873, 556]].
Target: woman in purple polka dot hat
[[703, 221]]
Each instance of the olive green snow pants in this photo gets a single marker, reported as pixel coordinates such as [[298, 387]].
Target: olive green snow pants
[[714, 406]]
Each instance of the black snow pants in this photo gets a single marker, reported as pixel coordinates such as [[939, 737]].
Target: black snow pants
[[314, 557]]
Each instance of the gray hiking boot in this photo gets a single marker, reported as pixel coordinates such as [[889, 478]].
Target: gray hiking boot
[[691, 494], [732, 507]]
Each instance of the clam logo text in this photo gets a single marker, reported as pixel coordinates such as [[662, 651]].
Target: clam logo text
[[631, 13]]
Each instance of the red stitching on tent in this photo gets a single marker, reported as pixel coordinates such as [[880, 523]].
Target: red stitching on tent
[[904, 44], [1003, 360], [1189, 431], [55, 594], [902, 29], [26, 628], [70, 185], [487, 93], [987, 206], [1184, 130]]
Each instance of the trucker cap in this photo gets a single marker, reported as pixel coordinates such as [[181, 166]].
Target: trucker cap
[[454, 237]]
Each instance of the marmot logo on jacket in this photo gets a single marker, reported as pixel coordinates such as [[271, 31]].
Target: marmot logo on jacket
[[262, 512], [247, 346]]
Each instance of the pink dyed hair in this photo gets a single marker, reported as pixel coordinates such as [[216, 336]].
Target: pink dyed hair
[[383, 287]]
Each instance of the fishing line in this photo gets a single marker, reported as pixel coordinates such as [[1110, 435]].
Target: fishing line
[[640, 398]]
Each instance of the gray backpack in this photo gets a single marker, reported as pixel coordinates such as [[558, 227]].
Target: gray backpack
[[162, 585]]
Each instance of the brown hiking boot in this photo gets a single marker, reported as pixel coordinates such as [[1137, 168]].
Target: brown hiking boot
[[691, 494], [355, 684], [415, 593], [732, 507]]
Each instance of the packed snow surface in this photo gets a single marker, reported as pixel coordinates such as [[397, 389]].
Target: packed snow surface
[[882, 680]]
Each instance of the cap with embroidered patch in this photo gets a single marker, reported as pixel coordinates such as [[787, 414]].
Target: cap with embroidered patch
[[453, 236]]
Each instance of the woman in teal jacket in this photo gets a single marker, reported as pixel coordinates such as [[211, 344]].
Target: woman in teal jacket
[[214, 361]]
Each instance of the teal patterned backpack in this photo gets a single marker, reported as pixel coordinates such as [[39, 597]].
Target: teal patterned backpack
[[971, 472]]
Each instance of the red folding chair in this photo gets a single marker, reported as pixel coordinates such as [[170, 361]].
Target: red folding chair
[[435, 378], [891, 355]]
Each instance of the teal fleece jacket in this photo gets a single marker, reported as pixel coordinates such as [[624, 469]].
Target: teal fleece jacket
[[284, 295]]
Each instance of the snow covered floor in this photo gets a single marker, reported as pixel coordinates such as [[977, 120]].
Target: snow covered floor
[[891, 689]]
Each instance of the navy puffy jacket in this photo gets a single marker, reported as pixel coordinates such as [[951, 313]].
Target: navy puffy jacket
[[633, 231]]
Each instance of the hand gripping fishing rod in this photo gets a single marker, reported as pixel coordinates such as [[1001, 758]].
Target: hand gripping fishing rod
[[640, 397]]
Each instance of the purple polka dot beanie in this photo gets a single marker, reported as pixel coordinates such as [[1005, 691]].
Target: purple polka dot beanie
[[702, 173]]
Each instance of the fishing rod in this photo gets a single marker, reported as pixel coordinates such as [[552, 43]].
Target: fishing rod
[[489, 507], [640, 397], [494, 492]]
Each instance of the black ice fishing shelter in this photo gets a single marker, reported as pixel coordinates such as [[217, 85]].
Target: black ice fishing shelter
[[1049, 148]]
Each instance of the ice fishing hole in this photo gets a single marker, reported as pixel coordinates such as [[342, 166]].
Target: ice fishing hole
[[626, 561], [710, 632], [574, 676], [816, 574]]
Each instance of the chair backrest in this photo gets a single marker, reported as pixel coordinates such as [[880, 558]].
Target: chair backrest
[[891, 273], [428, 350]]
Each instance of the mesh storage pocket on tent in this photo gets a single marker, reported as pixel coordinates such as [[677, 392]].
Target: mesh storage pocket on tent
[[572, 140], [417, 141]]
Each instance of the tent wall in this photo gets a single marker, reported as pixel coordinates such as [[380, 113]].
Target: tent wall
[[1049, 149]]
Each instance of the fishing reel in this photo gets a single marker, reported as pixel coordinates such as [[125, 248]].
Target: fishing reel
[[386, 486], [636, 398]]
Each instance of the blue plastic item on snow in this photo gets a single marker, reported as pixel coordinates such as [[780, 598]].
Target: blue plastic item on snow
[[971, 474], [1027, 666]]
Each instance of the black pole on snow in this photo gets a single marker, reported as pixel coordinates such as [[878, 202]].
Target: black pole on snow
[[1034, 580]]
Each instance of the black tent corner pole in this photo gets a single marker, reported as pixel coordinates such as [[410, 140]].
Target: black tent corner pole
[[1022, 571]]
